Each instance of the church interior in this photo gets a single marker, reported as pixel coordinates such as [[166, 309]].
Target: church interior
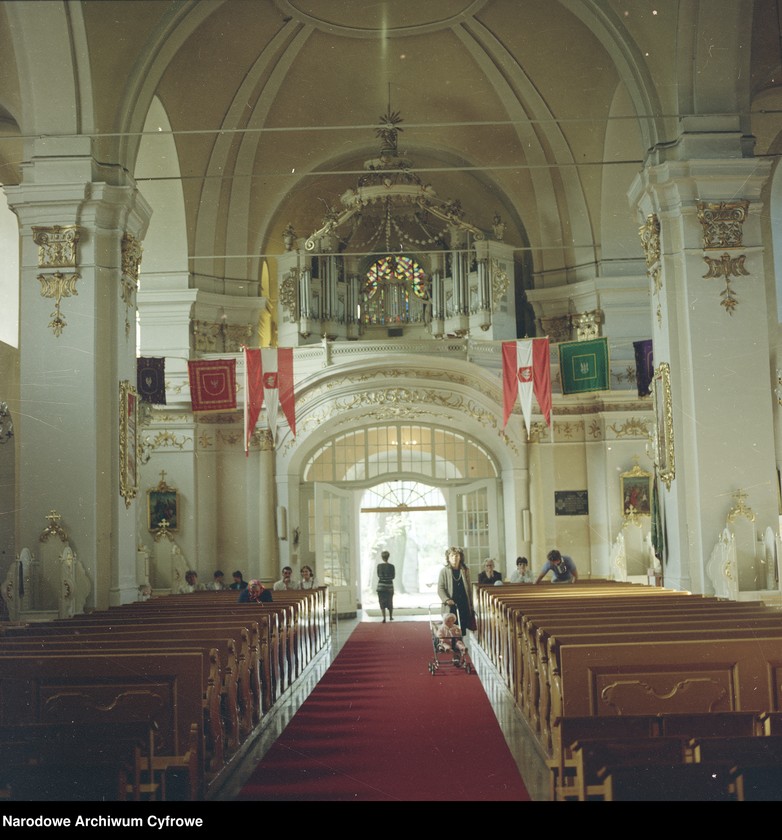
[[264, 264]]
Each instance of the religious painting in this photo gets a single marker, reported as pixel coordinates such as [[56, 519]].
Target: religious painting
[[636, 486], [663, 412], [128, 441], [163, 507]]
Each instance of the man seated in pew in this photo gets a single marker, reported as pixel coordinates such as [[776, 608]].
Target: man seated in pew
[[191, 583], [256, 593], [286, 581], [561, 565]]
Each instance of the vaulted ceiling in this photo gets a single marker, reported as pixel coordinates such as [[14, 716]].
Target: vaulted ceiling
[[540, 110]]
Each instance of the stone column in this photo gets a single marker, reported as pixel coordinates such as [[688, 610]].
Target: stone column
[[702, 233], [78, 343]]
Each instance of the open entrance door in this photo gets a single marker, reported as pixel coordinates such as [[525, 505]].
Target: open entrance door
[[473, 520], [335, 564]]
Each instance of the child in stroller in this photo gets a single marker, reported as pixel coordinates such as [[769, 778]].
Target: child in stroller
[[450, 636]]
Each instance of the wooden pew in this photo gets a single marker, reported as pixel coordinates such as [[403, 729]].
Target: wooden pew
[[710, 724], [256, 671], [67, 761], [667, 676], [539, 623], [752, 750], [221, 710], [666, 783], [618, 610], [611, 701], [592, 755], [567, 730], [759, 783], [273, 635], [109, 689], [770, 723]]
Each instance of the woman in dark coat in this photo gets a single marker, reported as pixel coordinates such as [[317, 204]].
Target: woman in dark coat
[[455, 589]]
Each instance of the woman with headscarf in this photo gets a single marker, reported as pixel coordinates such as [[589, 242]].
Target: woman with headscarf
[[256, 593], [454, 588]]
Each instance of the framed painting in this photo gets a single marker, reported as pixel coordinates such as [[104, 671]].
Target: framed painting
[[128, 441], [636, 487], [663, 412], [163, 508]]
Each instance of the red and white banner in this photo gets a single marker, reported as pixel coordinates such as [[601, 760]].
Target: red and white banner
[[212, 384], [269, 377], [526, 369]]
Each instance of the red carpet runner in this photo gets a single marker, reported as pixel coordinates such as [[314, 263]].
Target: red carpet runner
[[379, 727]]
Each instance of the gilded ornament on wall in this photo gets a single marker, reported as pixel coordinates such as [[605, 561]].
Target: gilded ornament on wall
[[58, 286], [131, 260], [57, 246], [650, 239], [664, 451], [722, 223], [727, 267]]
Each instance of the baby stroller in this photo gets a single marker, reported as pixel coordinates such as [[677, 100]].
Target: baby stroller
[[446, 648]]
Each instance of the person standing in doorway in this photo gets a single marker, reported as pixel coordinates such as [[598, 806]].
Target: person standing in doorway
[[385, 585], [455, 589]]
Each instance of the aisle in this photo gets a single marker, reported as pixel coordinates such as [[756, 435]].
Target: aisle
[[379, 727]]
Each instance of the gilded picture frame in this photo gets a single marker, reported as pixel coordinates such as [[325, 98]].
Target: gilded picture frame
[[128, 441], [636, 489], [163, 507], [665, 459]]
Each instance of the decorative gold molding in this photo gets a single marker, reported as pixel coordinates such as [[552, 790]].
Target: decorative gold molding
[[727, 267], [289, 293], [499, 282], [58, 286], [587, 325], [635, 427], [650, 239], [131, 252], [6, 423], [220, 336], [57, 246], [128, 441], [722, 223], [53, 529], [663, 410], [740, 508]]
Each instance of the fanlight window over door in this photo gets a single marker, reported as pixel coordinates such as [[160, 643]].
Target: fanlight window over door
[[395, 291]]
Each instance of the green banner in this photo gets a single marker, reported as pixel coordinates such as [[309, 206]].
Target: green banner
[[583, 366]]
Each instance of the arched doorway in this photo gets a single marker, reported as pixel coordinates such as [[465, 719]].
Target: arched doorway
[[385, 471], [409, 519]]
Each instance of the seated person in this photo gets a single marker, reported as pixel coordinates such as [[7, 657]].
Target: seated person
[[488, 575], [286, 581], [239, 581], [451, 635], [191, 583], [255, 593], [307, 578], [218, 582], [522, 573]]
